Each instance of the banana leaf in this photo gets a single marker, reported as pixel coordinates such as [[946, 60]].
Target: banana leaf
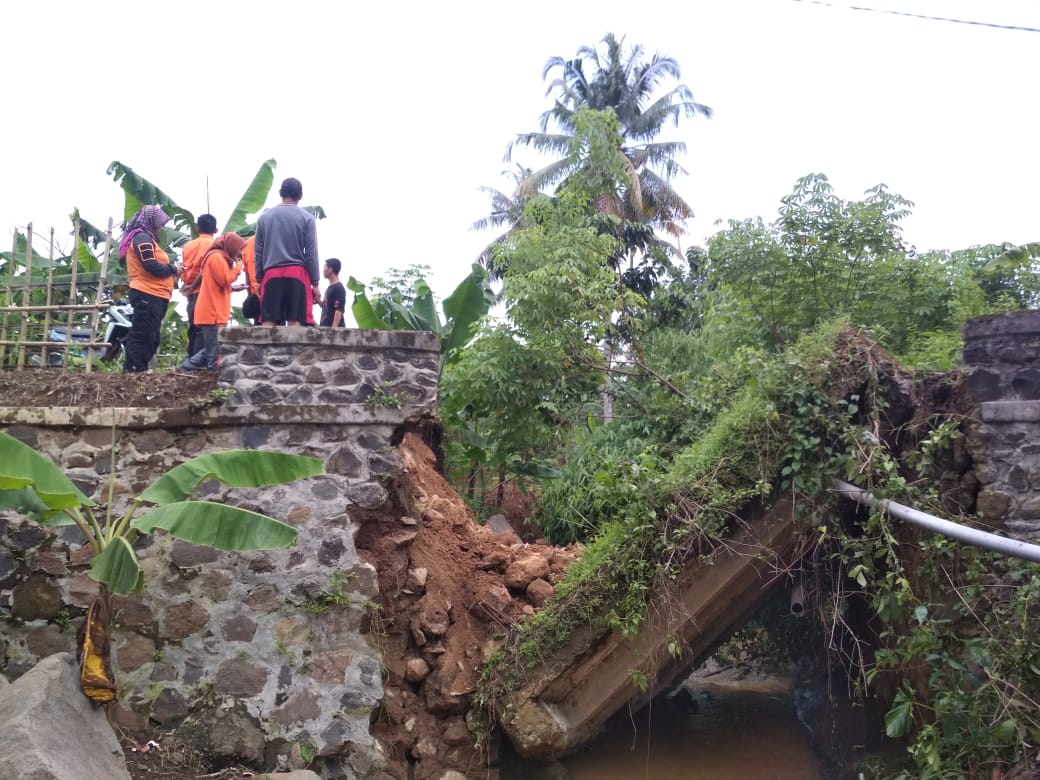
[[20, 248], [253, 199], [237, 468], [464, 309], [139, 192], [220, 526], [364, 314], [22, 467], [424, 308], [117, 567], [1014, 257]]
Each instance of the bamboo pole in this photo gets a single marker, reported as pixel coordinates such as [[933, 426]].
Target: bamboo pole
[[15, 342], [72, 296], [50, 298], [95, 317], [54, 307], [7, 299], [102, 292], [25, 290]]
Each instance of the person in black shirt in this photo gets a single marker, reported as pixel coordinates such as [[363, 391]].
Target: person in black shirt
[[335, 301]]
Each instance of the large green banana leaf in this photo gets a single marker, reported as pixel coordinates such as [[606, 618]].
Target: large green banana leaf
[[464, 309], [220, 526], [425, 309], [22, 467], [364, 315], [237, 468], [117, 567], [253, 199], [139, 192]]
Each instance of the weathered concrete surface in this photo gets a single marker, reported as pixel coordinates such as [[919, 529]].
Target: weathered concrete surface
[[52, 731], [581, 687]]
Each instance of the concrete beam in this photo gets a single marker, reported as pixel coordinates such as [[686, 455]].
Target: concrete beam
[[582, 686]]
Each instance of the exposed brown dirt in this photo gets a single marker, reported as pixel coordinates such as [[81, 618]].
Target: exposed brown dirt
[[54, 387], [473, 591]]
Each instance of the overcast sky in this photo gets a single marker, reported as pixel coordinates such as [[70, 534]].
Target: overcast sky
[[393, 114]]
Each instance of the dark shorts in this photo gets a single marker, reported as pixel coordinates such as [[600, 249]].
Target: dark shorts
[[284, 300]]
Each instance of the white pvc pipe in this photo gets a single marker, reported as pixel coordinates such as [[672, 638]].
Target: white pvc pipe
[[962, 533]]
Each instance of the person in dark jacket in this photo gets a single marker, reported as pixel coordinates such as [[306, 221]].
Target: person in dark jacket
[[152, 279]]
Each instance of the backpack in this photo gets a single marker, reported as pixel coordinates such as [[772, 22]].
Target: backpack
[[193, 287]]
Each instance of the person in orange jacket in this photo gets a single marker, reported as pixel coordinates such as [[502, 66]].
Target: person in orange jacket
[[220, 267], [152, 278], [191, 258], [251, 305]]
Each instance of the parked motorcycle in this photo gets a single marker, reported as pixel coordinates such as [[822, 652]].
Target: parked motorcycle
[[117, 328]]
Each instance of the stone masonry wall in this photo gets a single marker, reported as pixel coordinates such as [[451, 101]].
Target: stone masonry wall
[[259, 657], [1002, 353]]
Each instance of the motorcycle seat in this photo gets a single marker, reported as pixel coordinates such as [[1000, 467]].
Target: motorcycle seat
[[78, 334]]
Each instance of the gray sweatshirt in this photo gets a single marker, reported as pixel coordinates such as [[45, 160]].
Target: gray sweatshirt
[[287, 235]]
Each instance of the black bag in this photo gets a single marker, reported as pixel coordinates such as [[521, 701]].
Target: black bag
[[251, 307]]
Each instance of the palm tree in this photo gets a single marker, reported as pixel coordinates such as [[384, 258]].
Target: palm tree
[[506, 210], [625, 83]]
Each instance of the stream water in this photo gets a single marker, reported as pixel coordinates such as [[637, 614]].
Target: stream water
[[733, 731]]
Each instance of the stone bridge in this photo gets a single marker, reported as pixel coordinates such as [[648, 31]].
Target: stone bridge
[[242, 633]]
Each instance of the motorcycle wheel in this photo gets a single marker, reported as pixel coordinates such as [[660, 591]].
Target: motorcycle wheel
[[111, 352]]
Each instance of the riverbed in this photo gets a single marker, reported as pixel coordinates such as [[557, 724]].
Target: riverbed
[[742, 730]]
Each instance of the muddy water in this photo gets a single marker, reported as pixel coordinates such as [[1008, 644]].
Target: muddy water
[[738, 731]]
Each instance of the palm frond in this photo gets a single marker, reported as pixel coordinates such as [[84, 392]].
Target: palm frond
[[544, 178]]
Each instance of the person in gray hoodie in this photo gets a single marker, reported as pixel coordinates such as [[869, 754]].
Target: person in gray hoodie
[[287, 265]]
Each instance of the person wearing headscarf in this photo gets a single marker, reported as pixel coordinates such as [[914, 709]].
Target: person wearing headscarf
[[152, 278], [219, 268]]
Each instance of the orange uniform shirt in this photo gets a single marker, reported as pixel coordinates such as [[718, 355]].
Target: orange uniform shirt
[[213, 306], [191, 257], [249, 259], [140, 279]]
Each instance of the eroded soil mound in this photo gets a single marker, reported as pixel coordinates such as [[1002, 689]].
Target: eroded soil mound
[[450, 588]]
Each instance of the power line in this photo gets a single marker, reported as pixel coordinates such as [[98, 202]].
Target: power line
[[922, 16]]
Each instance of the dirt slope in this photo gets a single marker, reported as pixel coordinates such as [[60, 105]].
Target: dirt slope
[[449, 589]]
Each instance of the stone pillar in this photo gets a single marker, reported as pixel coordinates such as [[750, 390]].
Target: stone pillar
[[1002, 353], [249, 656]]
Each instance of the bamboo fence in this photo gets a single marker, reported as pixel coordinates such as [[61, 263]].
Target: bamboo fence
[[38, 333]]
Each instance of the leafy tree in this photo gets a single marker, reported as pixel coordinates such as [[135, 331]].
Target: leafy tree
[[399, 282], [611, 79]]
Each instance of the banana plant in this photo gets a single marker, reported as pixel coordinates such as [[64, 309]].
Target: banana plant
[[468, 304], [139, 191], [34, 486]]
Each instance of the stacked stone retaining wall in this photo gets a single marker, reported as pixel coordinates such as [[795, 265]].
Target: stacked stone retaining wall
[[259, 657], [1002, 354]]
